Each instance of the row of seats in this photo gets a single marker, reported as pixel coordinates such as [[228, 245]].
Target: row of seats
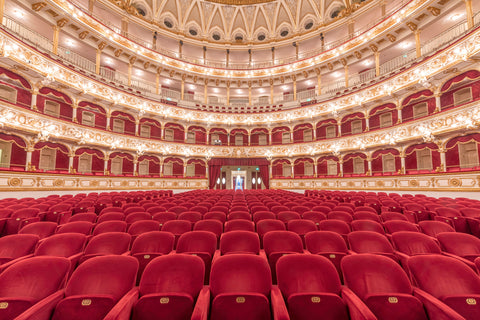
[[240, 288]]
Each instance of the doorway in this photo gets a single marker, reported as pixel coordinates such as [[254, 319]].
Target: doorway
[[239, 179]]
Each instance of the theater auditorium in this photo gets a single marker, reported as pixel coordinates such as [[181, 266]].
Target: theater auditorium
[[239, 159]]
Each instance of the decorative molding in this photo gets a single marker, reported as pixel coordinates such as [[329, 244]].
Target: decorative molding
[[10, 181], [456, 182]]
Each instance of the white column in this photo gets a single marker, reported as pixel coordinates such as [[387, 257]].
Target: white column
[[135, 165], [28, 161], [70, 162], [340, 161], [369, 165], [137, 127], [402, 162], [105, 165], [108, 121], [443, 160]]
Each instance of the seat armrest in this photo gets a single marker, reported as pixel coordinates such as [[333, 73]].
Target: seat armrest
[[436, 309], [202, 306], [357, 308], [279, 308], [43, 309], [216, 255], [123, 309]]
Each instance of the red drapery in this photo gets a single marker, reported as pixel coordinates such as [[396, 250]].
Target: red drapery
[[215, 164]]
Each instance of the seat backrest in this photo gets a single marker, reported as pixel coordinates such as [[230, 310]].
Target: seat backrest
[[25, 213], [109, 216], [142, 226], [108, 243], [307, 273], [368, 274], [340, 215], [175, 273], [448, 212], [34, 278], [110, 226], [178, 209], [105, 275], [325, 241], [433, 228], [413, 243], [211, 225], [398, 225], [84, 216], [301, 226], [364, 215], [153, 242], [267, 225], [177, 227], [369, 242], [438, 281], [459, 243], [367, 225], [61, 245], [240, 273], [17, 245], [191, 216], [42, 229], [286, 216], [239, 224], [337, 226], [282, 241], [239, 242], [83, 227], [388, 216], [197, 241], [470, 212], [239, 215]]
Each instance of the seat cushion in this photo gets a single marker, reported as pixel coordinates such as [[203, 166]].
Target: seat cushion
[[396, 306], [177, 306], [240, 306], [94, 307], [467, 306], [325, 306], [11, 307]]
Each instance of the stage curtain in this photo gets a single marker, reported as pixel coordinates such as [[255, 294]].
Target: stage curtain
[[18, 154], [97, 159], [322, 128], [264, 174], [213, 174], [471, 74], [322, 168], [155, 127], [100, 114], [129, 121], [453, 155]]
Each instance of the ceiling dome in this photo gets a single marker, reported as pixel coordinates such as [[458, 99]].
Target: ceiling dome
[[240, 22]]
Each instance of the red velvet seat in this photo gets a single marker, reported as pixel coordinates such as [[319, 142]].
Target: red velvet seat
[[262, 215], [367, 225], [340, 215], [217, 215], [384, 287], [177, 228], [450, 281], [42, 229], [109, 216], [301, 227], [328, 244], [338, 226], [433, 228], [16, 245], [239, 242], [363, 215], [241, 288], [267, 225], [211, 225], [239, 215], [170, 287], [30, 281], [239, 224], [150, 245], [370, 242], [110, 226], [200, 243], [322, 208], [388, 216], [200, 209], [311, 288], [19, 218], [59, 213], [85, 216], [143, 226], [163, 217], [137, 216], [399, 225], [177, 209], [83, 227], [109, 243], [277, 209], [96, 287], [460, 244], [415, 212], [191, 216], [279, 243], [453, 217], [300, 209], [286, 216]]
